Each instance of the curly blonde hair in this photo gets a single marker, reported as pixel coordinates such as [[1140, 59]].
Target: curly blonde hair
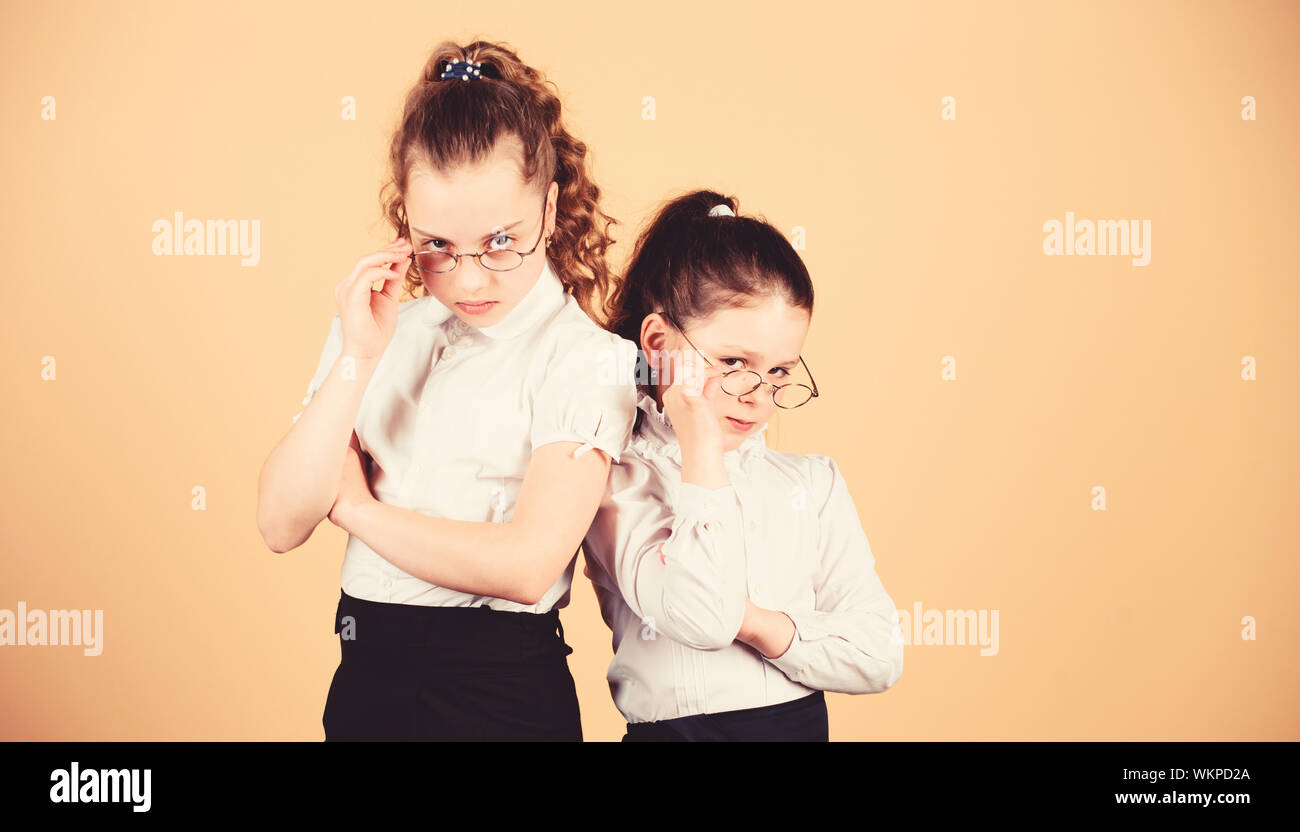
[[444, 124]]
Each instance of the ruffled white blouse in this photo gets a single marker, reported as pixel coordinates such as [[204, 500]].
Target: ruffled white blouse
[[672, 564], [453, 413]]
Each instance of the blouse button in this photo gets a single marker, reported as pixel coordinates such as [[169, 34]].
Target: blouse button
[[448, 353], [708, 527]]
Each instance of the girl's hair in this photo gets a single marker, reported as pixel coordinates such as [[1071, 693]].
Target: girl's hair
[[454, 122], [690, 265]]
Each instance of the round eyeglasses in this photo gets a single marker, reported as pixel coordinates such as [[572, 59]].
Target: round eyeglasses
[[494, 259], [744, 382]]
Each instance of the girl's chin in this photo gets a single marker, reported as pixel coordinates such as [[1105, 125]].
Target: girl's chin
[[732, 443]]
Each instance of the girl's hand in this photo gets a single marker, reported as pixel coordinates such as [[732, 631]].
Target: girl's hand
[[688, 402], [768, 631], [369, 318], [354, 488]]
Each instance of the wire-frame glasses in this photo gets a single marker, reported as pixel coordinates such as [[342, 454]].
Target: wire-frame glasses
[[744, 382], [496, 259]]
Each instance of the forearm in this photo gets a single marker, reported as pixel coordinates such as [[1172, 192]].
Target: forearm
[[471, 557], [847, 639], [299, 481], [850, 651], [692, 585], [697, 587]]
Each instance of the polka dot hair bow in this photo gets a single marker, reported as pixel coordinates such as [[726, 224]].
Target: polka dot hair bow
[[464, 70], [721, 211]]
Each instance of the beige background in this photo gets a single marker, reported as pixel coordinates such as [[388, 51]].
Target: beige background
[[924, 240]]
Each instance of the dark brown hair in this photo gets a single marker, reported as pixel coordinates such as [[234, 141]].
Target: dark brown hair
[[690, 264], [453, 122]]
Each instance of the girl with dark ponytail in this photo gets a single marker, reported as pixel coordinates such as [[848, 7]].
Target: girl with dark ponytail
[[737, 580]]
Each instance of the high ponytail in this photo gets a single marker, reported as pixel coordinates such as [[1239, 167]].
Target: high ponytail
[[690, 263]]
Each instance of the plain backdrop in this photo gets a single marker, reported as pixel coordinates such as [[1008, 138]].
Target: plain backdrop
[[924, 236]]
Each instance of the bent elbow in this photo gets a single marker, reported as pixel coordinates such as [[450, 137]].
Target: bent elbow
[[529, 589], [276, 542], [284, 522], [268, 527], [896, 664], [528, 595], [275, 534], [881, 675], [271, 535], [888, 679]]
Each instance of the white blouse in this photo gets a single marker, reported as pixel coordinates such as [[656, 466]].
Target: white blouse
[[453, 414], [672, 564]]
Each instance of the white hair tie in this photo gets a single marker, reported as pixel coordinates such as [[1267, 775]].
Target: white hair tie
[[721, 211]]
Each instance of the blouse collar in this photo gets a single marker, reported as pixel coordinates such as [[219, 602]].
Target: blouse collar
[[539, 304], [655, 436]]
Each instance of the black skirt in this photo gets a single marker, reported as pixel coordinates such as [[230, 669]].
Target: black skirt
[[411, 672], [799, 720]]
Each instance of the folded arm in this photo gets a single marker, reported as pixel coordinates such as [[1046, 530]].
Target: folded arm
[[679, 568], [518, 560], [849, 640], [298, 481]]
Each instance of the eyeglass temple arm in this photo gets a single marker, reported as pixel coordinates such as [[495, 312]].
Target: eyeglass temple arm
[[810, 375]]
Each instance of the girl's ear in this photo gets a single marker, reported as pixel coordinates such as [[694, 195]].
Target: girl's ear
[[552, 209], [654, 333]]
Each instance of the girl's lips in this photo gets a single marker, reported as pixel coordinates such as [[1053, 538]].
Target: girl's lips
[[737, 423], [476, 308]]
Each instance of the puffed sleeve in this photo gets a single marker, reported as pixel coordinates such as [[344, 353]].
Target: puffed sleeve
[[679, 566], [588, 394], [329, 354], [850, 640]]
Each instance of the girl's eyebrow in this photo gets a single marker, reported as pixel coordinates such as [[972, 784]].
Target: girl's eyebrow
[[493, 233], [748, 356]]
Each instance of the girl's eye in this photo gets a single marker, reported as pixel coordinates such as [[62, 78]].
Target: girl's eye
[[500, 241], [435, 245], [741, 360], [782, 370]]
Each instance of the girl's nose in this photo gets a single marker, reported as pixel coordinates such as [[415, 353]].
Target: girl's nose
[[471, 275]]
